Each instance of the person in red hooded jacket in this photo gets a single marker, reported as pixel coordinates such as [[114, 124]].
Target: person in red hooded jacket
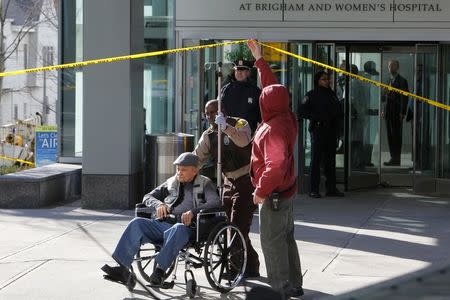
[[273, 176]]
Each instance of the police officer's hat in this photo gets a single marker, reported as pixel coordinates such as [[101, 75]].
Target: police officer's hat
[[186, 159], [242, 64]]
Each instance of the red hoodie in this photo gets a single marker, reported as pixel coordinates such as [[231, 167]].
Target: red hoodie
[[272, 162]]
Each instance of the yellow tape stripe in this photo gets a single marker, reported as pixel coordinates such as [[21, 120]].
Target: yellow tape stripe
[[19, 160], [115, 59], [163, 52], [361, 78]]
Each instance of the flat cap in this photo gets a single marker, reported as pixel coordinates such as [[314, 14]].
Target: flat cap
[[186, 159]]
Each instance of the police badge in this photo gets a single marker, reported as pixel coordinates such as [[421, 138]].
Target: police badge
[[250, 100], [226, 140]]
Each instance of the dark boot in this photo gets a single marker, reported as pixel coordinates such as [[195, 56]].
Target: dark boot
[[121, 275], [157, 277]]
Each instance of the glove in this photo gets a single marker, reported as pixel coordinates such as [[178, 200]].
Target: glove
[[221, 121]]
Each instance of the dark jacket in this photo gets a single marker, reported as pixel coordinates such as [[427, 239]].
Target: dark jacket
[[322, 107], [241, 100], [204, 194], [395, 103], [272, 162]]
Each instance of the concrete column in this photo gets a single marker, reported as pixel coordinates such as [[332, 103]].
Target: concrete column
[[113, 119]]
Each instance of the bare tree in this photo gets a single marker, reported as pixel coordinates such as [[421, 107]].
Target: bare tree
[[26, 16]]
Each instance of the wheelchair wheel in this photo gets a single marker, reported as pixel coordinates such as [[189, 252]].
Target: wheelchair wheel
[[191, 288], [225, 257], [146, 263]]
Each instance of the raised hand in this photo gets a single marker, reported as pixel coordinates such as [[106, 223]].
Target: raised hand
[[255, 49]]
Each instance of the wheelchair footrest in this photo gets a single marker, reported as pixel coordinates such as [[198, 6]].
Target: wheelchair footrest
[[166, 285]]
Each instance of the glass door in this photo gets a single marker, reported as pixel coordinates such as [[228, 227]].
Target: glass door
[[192, 65], [301, 74], [340, 86], [422, 116], [363, 118]]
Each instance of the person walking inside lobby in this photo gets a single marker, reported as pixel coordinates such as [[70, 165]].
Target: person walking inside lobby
[[321, 106], [273, 176], [394, 111], [237, 187], [182, 195]]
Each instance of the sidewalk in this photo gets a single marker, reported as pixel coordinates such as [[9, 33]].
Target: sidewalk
[[365, 238]]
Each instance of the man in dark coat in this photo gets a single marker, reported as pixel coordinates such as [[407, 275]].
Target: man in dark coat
[[394, 111]]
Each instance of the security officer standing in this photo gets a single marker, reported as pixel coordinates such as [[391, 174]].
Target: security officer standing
[[321, 107], [240, 97], [238, 188]]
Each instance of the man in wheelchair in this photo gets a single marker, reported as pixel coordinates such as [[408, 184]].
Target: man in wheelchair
[[174, 205]]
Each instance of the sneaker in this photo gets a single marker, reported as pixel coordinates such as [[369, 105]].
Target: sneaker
[[157, 277]]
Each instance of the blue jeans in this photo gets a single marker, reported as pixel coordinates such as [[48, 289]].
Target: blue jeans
[[141, 231]]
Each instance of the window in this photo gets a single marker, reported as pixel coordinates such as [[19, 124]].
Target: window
[[47, 56], [25, 56], [71, 118], [25, 110], [159, 91], [16, 112]]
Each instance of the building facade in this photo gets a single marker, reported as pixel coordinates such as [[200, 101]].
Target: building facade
[[107, 109]]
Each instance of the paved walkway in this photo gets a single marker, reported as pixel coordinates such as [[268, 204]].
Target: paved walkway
[[365, 238]]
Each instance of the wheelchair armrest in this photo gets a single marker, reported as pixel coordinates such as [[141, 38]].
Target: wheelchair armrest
[[215, 215]]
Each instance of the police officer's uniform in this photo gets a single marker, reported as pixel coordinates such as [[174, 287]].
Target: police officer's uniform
[[321, 106], [241, 98]]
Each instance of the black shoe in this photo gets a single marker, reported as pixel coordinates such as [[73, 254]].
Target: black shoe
[[315, 195], [369, 164], [156, 278], [391, 163], [335, 193], [120, 275], [296, 292], [251, 274]]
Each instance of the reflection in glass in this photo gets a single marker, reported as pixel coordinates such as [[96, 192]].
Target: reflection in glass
[[445, 113], [364, 102], [424, 119], [71, 79], [158, 70]]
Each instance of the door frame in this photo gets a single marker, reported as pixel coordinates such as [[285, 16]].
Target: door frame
[[428, 183]]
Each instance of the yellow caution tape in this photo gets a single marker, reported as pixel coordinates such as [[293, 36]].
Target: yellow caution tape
[[163, 52], [115, 59], [361, 78], [19, 160]]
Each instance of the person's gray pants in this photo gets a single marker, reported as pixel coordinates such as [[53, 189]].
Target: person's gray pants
[[279, 246]]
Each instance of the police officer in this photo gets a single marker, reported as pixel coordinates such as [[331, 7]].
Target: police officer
[[240, 97], [321, 107], [238, 188]]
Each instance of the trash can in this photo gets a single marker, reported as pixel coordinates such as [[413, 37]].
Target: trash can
[[161, 150]]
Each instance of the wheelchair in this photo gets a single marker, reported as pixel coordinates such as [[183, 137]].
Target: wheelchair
[[217, 246]]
